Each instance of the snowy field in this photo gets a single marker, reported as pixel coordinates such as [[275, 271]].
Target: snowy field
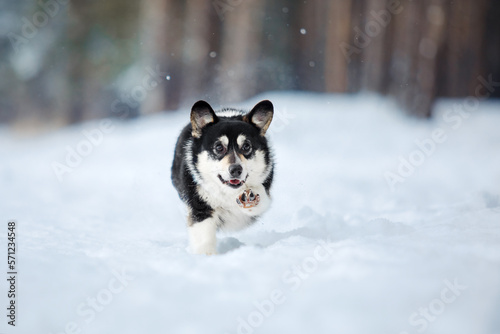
[[380, 224]]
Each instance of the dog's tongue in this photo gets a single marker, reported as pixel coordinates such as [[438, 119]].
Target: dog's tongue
[[234, 181]]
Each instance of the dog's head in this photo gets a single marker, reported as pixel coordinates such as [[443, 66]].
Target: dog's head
[[230, 148]]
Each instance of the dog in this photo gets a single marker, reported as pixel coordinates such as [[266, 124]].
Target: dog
[[223, 170]]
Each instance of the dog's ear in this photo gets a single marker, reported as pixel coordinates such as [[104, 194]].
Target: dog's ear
[[202, 114], [261, 116]]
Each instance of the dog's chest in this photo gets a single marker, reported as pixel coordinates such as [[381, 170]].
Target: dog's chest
[[232, 220], [226, 210]]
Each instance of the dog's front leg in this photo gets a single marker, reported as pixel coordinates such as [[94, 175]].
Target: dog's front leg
[[254, 201], [202, 236]]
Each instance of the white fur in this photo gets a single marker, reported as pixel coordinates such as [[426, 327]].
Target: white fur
[[229, 113], [257, 169], [189, 161], [241, 140], [222, 198], [202, 237], [228, 215], [224, 140]]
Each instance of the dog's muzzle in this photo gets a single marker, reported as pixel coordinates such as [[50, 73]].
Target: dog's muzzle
[[235, 171]]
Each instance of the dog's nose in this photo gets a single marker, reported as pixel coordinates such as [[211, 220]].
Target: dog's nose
[[235, 170]]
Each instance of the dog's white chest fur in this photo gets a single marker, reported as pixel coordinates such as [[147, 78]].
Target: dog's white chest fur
[[228, 214]]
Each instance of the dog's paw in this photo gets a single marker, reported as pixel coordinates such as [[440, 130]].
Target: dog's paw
[[248, 199], [203, 250]]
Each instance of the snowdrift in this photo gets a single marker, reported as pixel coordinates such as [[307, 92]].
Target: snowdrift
[[379, 224]]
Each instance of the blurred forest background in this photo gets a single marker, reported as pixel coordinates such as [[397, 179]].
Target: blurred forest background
[[65, 61]]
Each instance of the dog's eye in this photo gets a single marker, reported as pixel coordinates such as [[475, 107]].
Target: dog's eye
[[246, 147], [219, 148]]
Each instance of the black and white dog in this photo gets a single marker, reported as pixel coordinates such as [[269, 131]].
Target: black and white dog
[[223, 170]]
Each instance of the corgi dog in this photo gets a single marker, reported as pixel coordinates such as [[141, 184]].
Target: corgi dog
[[223, 170]]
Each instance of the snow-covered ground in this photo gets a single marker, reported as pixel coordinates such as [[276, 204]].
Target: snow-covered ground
[[380, 224]]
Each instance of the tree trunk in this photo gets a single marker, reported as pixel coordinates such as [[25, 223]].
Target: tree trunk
[[240, 50], [373, 68], [196, 49], [161, 31], [338, 36]]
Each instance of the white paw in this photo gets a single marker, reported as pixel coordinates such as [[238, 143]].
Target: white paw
[[203, 249]]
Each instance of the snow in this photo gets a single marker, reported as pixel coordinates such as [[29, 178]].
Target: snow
[[104, 250]]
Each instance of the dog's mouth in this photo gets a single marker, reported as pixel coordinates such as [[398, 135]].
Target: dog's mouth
[[233, 183]]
